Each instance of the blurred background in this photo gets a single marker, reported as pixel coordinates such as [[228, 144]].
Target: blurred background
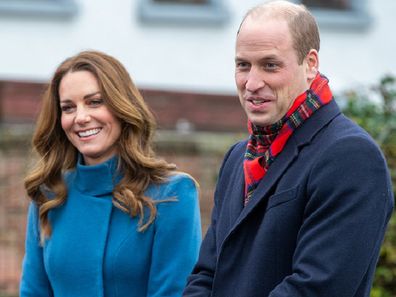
[[180, 54]]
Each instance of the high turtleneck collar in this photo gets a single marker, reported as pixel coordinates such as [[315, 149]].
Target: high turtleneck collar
[[96, 180]]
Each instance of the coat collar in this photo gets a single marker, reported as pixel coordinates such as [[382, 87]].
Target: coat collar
[[301, 137], [96, 180]]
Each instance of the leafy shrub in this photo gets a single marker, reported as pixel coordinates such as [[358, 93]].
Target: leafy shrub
[[374, 109]]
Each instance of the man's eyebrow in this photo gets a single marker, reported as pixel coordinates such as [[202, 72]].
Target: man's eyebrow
[[269, 57], [272, 59]]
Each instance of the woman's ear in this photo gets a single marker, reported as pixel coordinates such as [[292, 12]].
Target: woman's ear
[[312, 64]]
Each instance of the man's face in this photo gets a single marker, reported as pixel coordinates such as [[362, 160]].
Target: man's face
[[267, 73]]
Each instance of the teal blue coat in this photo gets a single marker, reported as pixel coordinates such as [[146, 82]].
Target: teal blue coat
[[95, 249]]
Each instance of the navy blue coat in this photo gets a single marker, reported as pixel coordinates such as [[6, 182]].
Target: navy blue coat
[[314, 225]]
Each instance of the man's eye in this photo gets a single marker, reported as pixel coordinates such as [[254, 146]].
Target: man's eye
[[242, 65], [271, 66]]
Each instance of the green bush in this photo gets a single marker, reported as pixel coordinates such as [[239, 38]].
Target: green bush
[[374, 110]]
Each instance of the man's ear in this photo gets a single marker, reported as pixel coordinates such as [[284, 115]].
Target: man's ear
[[312, 64]]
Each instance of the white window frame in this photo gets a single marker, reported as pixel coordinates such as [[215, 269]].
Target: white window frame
[[357, 17], [213, 12], [39, 8]]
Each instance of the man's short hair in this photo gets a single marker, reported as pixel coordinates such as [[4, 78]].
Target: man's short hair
[[302, 24]]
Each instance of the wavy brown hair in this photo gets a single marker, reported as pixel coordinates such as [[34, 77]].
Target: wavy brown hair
[[56, 154]]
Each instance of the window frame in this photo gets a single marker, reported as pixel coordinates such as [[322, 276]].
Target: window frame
[[356, 18], [213, 12], [38, 8]]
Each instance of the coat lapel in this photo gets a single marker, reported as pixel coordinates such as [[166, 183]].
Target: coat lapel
[[300, 137], [236, 188], [264, 188]]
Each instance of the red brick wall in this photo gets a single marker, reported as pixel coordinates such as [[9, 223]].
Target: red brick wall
[[206, 112], [20, 102], [13, 204]]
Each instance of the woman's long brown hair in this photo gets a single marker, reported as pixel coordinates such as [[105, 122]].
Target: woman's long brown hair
[[56, 154]]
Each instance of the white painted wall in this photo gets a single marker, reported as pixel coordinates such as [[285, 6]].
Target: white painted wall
[[189, 58]]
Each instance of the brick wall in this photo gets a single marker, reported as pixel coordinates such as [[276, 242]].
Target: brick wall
[[20, 102], [205, 112], [13, 205]]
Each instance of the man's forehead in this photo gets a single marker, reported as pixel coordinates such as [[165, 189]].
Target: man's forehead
[[266, 24], [255, 44], [255, 33]]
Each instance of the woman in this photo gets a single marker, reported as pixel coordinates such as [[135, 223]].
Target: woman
[[107, 218]]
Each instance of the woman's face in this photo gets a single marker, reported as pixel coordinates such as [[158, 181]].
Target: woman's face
[[88, 123]]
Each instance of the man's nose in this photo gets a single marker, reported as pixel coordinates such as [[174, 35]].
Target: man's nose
[[254, 81]]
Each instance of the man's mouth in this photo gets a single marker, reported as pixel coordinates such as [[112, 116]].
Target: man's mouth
[[88, 133], [257, 102]]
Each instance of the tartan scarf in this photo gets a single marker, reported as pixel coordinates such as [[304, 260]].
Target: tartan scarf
[[265, 143]]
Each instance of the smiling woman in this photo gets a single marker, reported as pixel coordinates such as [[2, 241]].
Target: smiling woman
[[99, 192], [87, 121]]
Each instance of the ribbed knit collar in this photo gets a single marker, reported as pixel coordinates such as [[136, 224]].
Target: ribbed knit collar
[[97, 180]]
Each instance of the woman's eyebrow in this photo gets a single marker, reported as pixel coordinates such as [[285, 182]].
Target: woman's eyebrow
[[91, 95]]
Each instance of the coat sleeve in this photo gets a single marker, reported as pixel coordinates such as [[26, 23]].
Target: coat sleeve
[[34, 280], [349, 203], [177, 238], [200, 281]]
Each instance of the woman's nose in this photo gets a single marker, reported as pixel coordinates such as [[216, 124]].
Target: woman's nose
[[82, 116]]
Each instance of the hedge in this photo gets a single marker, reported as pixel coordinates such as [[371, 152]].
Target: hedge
[[373, 108]]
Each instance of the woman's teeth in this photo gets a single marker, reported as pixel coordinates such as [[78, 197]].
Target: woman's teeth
[[89, 132]]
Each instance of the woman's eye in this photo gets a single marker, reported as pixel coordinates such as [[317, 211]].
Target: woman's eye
[[96, 102], [66, 108]]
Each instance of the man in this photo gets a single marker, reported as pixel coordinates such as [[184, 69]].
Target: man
[[302, 206]]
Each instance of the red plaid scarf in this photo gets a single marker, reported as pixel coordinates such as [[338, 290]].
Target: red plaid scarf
[[265, 143]]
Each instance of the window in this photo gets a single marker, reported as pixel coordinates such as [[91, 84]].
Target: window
[[53, 8], [182, 1], [207, 12], [345, 14], [329, 4]]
